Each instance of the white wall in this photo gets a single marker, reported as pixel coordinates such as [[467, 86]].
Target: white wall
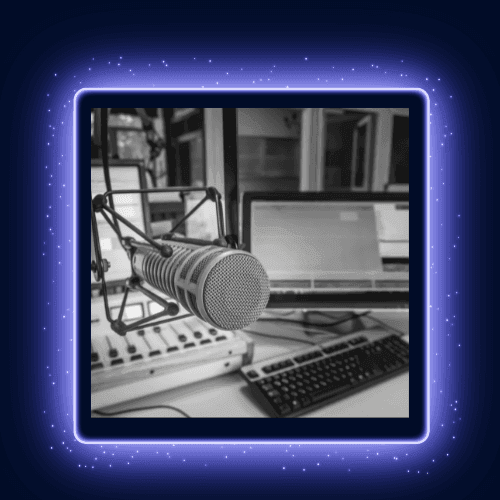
[[266, 122]]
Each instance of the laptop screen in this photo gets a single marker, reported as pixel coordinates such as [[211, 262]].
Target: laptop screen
[[340, 247]]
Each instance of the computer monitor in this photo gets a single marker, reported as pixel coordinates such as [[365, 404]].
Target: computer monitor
[[124, 174], [339, 249]]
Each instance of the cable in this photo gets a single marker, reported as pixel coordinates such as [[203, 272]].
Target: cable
[[324, 325], [385, 325], [376, 320], [106, 414], [280, 337], [282, 315]]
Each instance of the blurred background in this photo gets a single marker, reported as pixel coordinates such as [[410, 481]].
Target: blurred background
[[277, 149]]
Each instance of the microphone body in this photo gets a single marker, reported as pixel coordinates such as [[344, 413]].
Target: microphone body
[[226, 288]]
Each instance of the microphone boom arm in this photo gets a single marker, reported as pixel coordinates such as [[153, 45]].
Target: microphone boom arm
[[100, 265]]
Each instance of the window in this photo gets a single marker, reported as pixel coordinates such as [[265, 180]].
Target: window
[[348, 154], [400, 153]]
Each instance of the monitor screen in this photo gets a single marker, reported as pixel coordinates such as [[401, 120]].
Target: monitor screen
[[129, 206], [332, 246]]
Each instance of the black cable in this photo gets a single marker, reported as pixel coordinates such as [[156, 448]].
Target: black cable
[[106, 414], [324, 325], [280, 337], [282, 315], [376, 320], [385, 325]]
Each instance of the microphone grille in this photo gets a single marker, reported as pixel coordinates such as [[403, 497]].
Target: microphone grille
[[201, 265], [236, 291]]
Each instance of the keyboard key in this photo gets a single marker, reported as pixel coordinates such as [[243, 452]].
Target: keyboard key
[[358, 340], [305, 401], [118, 361], [222, 337], [252, 374], [135, 357], [172, 349], [96, 366], [205, 341], [326, 393], [336, 348], [284, 409]]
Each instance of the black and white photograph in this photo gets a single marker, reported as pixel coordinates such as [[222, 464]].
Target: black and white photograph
[[250, 263]]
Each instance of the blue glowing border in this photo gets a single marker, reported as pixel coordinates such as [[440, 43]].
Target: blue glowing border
[[427, 264]]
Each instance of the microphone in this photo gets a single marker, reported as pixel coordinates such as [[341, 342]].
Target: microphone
[[227, 288]]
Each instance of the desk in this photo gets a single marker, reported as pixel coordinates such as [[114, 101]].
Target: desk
[[228, 396]]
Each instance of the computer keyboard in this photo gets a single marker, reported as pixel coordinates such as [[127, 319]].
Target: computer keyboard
[[293, 384]]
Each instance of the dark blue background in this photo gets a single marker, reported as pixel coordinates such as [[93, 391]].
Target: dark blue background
[[458, 459]]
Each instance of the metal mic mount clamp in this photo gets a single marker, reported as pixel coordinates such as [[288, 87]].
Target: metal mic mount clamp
[[99, 265]]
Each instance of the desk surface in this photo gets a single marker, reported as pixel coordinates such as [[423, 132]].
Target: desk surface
[[229, 396]]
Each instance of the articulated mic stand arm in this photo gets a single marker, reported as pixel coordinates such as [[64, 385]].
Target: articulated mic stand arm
[[100, 266]]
